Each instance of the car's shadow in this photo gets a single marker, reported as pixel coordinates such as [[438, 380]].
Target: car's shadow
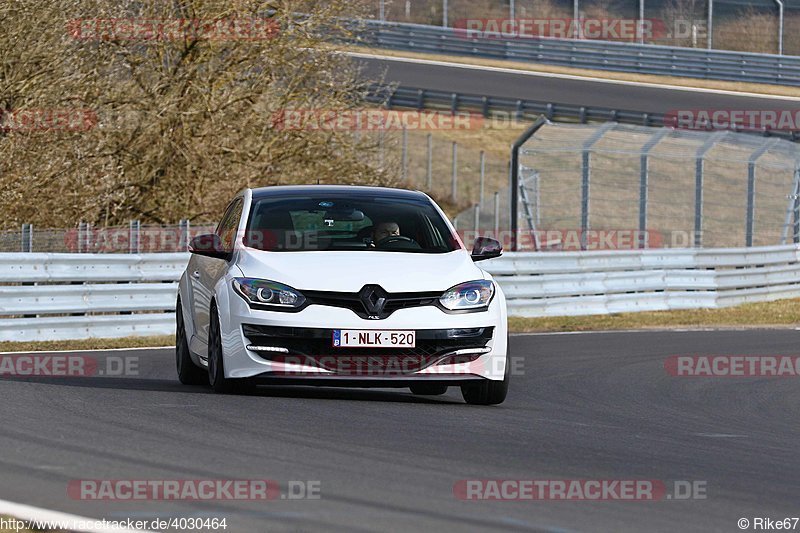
[[400, 395]]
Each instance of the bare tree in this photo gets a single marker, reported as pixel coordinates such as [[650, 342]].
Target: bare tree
[[178, 100]]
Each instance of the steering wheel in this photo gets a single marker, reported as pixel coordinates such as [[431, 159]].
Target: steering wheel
[[394, 238]]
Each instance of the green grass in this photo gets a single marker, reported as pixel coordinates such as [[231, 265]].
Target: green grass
[[781, 313], [87, 344]]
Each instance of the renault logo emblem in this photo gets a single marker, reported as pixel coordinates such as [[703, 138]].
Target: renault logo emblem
[[373, 298]]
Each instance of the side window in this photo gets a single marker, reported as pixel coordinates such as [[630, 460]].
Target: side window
[[229, 224]]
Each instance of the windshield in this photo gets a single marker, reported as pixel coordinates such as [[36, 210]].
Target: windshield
[[312, 223]]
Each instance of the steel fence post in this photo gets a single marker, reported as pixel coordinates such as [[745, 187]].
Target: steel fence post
[[404, 156], [513, 179], [133, 237], [644, 174], [483, 174], [537, 199], [381, 148], [641, 22], [586, 177], [497, 215], [183, 245], [796, 209], [710, 25], [429, 175], [699, 170], [27, 238], [751, 199], [454, 182], [83, 230], [780, 26]]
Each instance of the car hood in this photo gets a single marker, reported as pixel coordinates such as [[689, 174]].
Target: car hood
[[348, 271]]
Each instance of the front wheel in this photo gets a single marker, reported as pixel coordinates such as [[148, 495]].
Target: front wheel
[[216, 365], [486, 393], [188, 372], [489, 392]]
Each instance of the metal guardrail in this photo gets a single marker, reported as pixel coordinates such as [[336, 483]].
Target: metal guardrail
[[535, 284], [50, 268], [112, 295], [600, 282], [418, 98], [596, 55]]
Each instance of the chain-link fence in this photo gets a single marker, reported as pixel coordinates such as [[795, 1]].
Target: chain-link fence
[[612, 186], [134, 238], [606, 186], [454, 174]]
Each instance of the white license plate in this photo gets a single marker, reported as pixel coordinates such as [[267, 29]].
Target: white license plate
[[374, 338]]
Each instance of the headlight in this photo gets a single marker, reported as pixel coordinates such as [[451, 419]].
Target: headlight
[[469, 295], [266, 292]]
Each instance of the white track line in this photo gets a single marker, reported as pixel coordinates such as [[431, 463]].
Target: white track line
[[657, 330], [569, 76], [137, 348], [28, 512]]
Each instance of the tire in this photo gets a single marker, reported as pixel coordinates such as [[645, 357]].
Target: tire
[[428, 389], [188, 372], [216, 365], [488, 392]]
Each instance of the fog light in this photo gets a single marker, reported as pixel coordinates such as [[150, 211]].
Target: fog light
[[465, 332], [278, 349]]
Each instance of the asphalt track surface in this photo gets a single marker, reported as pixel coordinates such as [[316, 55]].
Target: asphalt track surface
[[527, 86], [589, 406]]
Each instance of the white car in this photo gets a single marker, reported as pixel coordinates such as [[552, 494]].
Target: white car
[[341, 286]]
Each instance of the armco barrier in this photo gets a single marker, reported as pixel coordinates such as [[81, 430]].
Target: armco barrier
[[600, 282], [589, 54], [491, 106], [73, 296], [113, 295]]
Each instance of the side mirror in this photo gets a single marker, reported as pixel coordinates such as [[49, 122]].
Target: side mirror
[[209, 245], [486, 248]]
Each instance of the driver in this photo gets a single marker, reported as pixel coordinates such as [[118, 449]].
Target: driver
[[384, 230]]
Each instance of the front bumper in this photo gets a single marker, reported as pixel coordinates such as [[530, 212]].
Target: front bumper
[[452, 348]]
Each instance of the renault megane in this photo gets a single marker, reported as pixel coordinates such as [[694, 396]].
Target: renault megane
[[341, 286]]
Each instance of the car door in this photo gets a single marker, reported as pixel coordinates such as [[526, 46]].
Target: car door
[[208, 270]]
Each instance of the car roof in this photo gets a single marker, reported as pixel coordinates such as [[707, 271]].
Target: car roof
[[350, 191]]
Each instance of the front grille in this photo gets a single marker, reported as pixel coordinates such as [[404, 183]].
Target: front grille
[[355, 302], [314, 347]]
